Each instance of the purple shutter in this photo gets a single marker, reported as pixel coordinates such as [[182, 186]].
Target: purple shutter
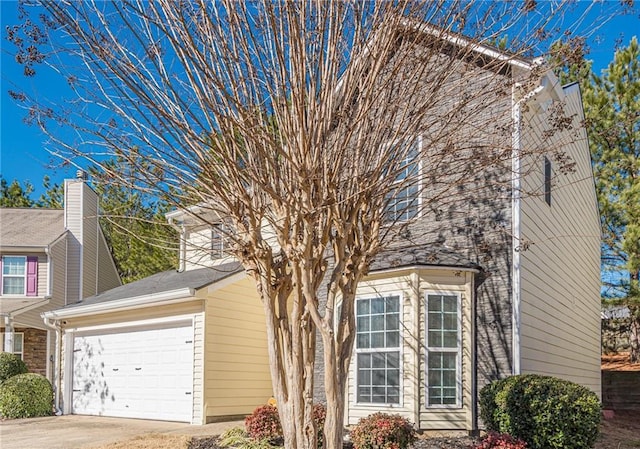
[[1, 275], [32, 276]]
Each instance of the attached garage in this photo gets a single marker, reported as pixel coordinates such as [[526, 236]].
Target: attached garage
[[135, 372], [185, 346]]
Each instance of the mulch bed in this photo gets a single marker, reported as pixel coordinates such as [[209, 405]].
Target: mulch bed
[[423, 443]]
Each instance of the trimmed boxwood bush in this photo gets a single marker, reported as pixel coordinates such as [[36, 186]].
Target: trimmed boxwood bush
[[545, 412], [383, 431], [10, 365], [26, 396]]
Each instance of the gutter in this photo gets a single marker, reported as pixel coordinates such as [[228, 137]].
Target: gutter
[[172, 296]]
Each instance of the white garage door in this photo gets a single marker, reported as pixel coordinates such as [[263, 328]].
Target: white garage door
[[135, 373]]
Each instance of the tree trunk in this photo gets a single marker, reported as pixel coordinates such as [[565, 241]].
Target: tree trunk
[[634, 334]]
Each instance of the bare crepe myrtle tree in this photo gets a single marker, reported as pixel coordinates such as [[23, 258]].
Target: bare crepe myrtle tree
[[296, 124]]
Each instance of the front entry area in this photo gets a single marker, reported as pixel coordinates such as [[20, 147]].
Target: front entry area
[[138, 372]]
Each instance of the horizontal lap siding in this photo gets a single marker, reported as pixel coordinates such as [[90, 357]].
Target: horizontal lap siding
[[560, 274], [237, 377]]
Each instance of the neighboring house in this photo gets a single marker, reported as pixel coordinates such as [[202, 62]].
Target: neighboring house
[[49, 258], [509, 286]]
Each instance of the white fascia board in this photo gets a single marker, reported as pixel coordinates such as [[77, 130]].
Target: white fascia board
[[424, 267], [226, 281], [169, 297], [461, 41]]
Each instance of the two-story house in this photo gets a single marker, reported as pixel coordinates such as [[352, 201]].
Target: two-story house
[[504, 283], [49, 258]]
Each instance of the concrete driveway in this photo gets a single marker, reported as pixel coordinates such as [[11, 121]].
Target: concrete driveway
[[75, 431]]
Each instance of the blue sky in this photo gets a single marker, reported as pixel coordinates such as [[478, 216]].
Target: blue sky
[[23, 154]]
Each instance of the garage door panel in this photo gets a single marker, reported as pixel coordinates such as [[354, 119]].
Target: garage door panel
[[139, 373]]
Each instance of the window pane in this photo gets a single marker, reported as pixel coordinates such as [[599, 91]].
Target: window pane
[[377, 339], [393, 378], [435, 339], [378, 360], [450, 321], [13, 286], [435, 320], [364, 361], [377, 322], [393, 359], [363, 307], [364, 377], [450, 339], [364, 394], [13, 265], [363, 341], [393, 340], [393, 304], [377, 305], [363, 324], [392, 322], [450, 304], [434, 303], [449, 360], [17, 343]]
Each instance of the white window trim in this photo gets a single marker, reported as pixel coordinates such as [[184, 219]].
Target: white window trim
[[21, 353], [217, 253], [24, 285], [419, 143], [459, 351], [378, 405]]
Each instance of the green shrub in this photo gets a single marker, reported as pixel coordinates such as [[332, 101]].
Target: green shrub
[[545, 412], [383, 431], [26, 396], [11, 365]]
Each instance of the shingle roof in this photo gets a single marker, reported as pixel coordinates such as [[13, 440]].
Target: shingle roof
[[30, 227], [164, 282], [420, 256]]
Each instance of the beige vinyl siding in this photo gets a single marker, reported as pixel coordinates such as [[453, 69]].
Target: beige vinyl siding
[[73, 222], [31, 318], [108, 277], [412, 287], [560, 271], [237, 376], [89, 242]]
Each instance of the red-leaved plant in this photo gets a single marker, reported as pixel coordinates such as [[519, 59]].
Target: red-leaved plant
[[264, 423], [494, 440], [383, 431]]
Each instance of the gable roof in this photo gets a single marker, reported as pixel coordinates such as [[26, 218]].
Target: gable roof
[[30, 227], [167, 281]]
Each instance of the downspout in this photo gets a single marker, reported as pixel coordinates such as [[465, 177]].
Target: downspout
[[182, 256], [57, 375], [49, 282], [516, 115]]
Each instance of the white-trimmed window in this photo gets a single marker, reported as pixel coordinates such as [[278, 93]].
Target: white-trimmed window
[[378, 353], [217, 241], [18, 344], [14, 275], [404, 201], [444, 350]]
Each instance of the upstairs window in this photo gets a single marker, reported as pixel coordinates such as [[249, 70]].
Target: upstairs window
[[19, 275], [547, 180], [217, 241], [404, 202], [378, 350]]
